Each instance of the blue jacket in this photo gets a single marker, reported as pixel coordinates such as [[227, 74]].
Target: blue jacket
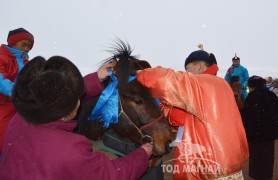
[[242, 72]]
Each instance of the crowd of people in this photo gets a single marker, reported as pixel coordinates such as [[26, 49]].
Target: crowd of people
[[39, 100]]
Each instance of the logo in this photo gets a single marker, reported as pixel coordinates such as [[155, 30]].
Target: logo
[[193, 158]]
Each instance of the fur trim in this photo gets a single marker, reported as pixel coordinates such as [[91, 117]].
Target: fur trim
[[46, 91]]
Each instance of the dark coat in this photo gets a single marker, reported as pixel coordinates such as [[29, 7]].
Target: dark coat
[[260, 115]]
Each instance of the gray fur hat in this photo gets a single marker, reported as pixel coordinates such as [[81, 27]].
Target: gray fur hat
[[46, 91]]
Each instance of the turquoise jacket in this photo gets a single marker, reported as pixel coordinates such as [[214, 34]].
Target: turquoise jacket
[[242, 72]]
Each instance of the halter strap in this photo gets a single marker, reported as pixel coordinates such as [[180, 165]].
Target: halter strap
[[152, 122]]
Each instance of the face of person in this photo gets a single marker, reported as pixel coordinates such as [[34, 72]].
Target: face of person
[[195, 67], [236, 63], [23, 45]]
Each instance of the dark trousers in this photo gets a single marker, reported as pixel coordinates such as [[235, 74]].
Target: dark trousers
[[261, 160]]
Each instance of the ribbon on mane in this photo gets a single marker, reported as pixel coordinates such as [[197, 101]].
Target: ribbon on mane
[[107, 106]]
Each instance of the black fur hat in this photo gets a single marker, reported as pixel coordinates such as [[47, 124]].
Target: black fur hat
[[256, 82], [46, 91]]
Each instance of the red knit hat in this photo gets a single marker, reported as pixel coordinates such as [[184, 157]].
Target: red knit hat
[[19, 34]]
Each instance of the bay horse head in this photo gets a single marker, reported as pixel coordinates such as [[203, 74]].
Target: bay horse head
[[139, 115], [235, 85]]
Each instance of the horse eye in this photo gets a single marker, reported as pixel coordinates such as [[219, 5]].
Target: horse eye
[[135, 99], [138, 100]]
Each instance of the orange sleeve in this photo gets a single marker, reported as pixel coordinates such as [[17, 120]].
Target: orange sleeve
[[175, 88], [154, 80]]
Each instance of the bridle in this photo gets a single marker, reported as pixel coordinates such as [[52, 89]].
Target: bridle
[[154, 161], [144, 137]]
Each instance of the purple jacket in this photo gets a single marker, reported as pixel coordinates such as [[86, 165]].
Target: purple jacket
[[51, 151]]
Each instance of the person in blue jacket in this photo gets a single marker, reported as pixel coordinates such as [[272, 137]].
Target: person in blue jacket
[[13, 57], [238, 70]]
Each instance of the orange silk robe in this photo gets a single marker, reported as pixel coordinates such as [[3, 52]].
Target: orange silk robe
[[214, 142]]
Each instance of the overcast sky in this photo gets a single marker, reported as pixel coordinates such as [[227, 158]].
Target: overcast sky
[[162, 32]]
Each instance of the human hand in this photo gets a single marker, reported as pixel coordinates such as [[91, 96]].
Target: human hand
[[148, 147], [103, 71]]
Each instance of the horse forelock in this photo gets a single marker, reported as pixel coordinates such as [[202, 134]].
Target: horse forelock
[[121, 52]]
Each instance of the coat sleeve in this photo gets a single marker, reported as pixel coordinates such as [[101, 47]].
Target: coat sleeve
[[228, 75], [179, 89], [93, 86], [153, 79], [6, 85], [98, 166], [245, 77]]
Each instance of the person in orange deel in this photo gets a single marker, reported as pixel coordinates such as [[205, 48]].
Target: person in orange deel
[[213, 142], [13, 58]]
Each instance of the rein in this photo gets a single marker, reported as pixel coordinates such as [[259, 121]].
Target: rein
[[101, 146]]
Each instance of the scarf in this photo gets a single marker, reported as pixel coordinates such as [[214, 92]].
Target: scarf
[[20, 57], [107, 106]]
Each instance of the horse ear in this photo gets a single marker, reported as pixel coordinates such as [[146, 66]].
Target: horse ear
[[141, 64], [145, 64]]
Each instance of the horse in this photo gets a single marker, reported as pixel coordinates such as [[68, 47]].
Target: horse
[[139, 116], [235, 85]]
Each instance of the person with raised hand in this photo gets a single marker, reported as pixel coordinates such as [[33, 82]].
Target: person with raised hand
[[39, 142]]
